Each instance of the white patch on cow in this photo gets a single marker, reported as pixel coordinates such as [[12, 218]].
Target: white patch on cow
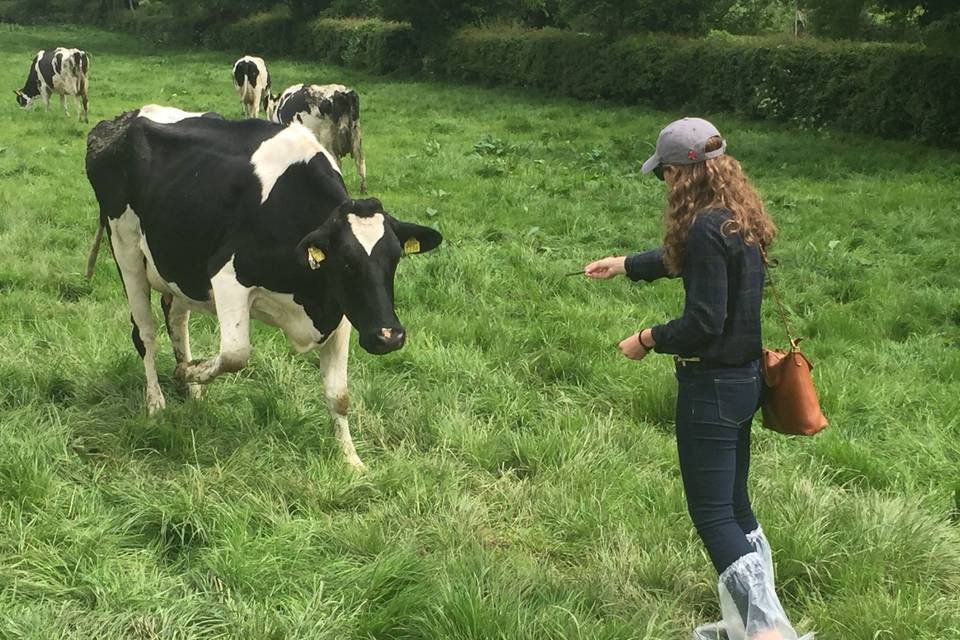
[[166, 115], [281, 310], [292, 145], [367, 230]]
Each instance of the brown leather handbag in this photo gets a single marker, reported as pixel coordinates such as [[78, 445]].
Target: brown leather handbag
[[789, 404]]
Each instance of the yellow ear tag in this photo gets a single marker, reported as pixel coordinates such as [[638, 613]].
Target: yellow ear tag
[[412, 245], [315, 257]]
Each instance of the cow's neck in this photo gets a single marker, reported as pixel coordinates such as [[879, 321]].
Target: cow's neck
[[322, 308]]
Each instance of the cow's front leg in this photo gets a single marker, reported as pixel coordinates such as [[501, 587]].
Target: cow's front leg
[[233, 315], [63, 104], [45, 94], [333, 364]]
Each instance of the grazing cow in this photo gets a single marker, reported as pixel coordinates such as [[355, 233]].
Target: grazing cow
[[332, 112], [246, 219], [60, 70], [252, 81]]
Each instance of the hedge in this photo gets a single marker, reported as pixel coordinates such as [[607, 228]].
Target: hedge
[[897, 91], [374, 45], [266, 32], [891, 91]]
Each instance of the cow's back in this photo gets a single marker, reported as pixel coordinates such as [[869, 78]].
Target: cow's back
[[196, 193]]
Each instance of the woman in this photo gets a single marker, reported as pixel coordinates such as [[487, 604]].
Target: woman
[[716, 227]]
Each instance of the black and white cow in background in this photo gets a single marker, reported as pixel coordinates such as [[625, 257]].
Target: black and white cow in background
[[252, 81], [332, 112], [246, 219], [60, 70]]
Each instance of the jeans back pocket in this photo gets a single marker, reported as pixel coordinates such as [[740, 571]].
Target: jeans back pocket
[[737, 399]]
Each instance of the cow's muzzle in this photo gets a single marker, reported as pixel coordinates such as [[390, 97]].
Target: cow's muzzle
[[384, 340]]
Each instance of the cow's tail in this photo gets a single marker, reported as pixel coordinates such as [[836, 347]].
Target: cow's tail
[[241, 79], [94, 250]]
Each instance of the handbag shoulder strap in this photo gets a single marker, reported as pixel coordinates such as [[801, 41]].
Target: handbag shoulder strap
[[794, 342]]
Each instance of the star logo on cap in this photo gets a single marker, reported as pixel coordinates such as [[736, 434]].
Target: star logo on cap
[[692, 154]]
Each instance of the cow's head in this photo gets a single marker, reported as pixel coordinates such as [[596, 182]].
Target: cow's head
[[22, 99], [357, 250]]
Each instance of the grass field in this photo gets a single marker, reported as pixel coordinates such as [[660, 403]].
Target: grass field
[[522, 476]]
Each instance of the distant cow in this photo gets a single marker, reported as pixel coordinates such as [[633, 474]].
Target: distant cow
[[332, 112], [60, 70], [252, 81], [246, 219]]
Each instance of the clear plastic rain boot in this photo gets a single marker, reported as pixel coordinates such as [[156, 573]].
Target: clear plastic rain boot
[[718, 630], [749, 604]]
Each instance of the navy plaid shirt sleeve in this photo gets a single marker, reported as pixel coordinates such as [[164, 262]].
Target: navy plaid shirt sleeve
[[647, 265], [705, 282]]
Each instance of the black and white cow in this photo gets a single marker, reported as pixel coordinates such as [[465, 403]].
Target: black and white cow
[[60, 70], [246, 219], [332, 112], [252, 81]]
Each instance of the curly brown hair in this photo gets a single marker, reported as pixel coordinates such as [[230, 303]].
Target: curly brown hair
[[715, 183]]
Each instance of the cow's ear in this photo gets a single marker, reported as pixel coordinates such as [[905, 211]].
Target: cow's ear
[[415, 238], [312, 250]]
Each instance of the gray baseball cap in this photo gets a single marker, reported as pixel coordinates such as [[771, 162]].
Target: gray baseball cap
[[682, 142]]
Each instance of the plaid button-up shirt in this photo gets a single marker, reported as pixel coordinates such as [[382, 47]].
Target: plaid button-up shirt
[[723, 278]]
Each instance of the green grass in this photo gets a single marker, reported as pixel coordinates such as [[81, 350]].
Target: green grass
[[523, 479]]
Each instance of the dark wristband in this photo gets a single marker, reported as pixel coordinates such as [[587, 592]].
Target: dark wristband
[[642, 343]]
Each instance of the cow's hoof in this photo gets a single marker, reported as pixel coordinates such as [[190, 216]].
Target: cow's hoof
[[356, 464], [155, 405], [185, 372]]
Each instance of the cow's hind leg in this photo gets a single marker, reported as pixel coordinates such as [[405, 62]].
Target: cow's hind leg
[[333, 363], [177, 317], [233, 315], [133, 272]]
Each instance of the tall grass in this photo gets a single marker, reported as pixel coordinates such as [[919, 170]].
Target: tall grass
[[523, 479]]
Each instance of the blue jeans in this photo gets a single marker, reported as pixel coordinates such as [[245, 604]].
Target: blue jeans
[[715, 407]]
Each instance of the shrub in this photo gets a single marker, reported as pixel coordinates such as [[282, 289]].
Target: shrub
[[375, 45], [944, 33], [265, 32], [159, 24], [887, 90]]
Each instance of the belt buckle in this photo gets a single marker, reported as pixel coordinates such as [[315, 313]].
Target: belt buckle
[[683, 362]]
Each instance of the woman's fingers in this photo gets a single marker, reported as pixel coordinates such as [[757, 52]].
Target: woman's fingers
[[631, 348], [602, 268]]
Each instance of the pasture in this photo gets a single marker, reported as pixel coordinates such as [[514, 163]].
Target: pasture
[[522, 476]]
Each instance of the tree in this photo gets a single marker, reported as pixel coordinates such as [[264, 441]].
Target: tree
[[929, 10], [616, 17], [835, 18]]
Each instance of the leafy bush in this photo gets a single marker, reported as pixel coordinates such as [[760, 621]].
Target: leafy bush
[[265, 32], [630, 16], [162, 25], [376, 45], [894, 91], [944, 33]]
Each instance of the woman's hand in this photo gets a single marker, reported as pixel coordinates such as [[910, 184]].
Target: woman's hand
[[606, 268], [631, 347]]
